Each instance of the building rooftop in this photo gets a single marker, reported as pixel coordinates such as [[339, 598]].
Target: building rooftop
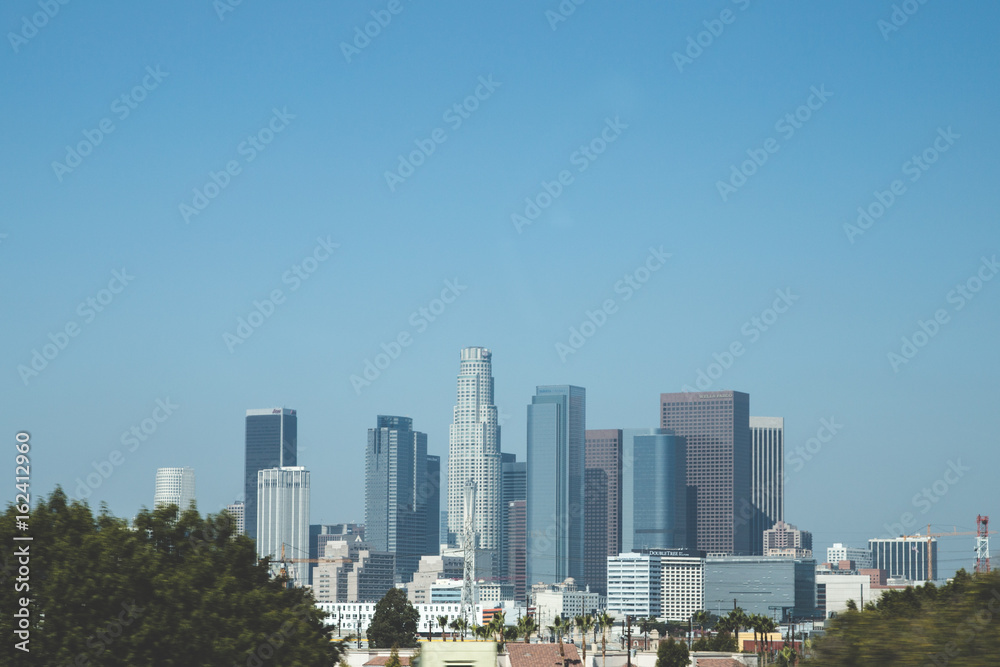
[[540, 655]]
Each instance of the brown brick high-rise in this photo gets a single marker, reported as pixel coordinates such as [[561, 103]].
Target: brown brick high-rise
[[717, 427]]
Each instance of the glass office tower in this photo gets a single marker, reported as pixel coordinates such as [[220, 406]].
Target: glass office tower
[[271, 442], [555, 484]]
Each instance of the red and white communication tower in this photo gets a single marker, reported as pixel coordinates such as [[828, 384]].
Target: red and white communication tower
[[982, 544]]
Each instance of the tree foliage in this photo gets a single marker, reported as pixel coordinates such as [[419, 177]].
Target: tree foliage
[[172, 589], [672, 653], [957, 624], [394, 622]]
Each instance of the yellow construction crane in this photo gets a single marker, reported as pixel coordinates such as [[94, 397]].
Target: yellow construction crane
[[954, 533]]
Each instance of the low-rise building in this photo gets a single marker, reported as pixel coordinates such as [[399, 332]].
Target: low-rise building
[[634, 584]]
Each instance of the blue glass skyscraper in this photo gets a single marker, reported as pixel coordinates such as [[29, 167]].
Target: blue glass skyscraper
[[271, 442], [555, 484]]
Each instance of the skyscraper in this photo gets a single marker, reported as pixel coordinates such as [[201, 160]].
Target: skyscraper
[[174, 486], [431, 492], [513, 484], [283, 518], [557, 425], [474, 455], [516, 548], [602, 499], [236, 511], [397, 492], [767, 480], [717, 428], [655, 493], [271, 442]]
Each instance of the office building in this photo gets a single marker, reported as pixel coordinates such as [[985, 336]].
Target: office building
[[431, 493], [602, 504], [767, 476], [861, 557], [716, 426], [474, 457], [781, 588], [905, 558], [556, 442], [784, 539], [563, 599], [833, 590], [513, 482], [517, 564], [283, 519], [634, 584], [353, 572], [271, 442], [321, 534], [445, 537], [236, 512], [430, 570], [398, 490], [174, 486], [655, 495], [682, 583]]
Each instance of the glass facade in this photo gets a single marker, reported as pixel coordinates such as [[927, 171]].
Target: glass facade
[[398, 490], [271, 442], [659, 478], [767, 480], [772, 586], [602, 511], [906, 558], [555, 484]]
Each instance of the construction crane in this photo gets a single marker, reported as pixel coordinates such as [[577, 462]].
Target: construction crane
[[982, 544]]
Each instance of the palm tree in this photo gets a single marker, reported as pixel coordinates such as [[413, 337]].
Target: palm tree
[[463, 627], [558, 628], [767, 626], [605, 622], [496, 627], [443, 622], [526, 626], [701, 618], [584, 623], [455, 626]]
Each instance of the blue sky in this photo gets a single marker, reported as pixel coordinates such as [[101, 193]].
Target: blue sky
[[335, 127]]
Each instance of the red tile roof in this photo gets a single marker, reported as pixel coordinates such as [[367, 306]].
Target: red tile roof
[[541, 655], [719, 662], [380, 660]]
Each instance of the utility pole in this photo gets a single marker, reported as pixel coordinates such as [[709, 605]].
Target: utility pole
[[628, 640]]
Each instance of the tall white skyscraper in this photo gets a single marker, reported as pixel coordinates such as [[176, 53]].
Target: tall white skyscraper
[[767, 477], [283, 518], [174, 486], [474, 454]]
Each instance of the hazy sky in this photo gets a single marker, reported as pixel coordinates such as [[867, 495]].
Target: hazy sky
[[211, 157]]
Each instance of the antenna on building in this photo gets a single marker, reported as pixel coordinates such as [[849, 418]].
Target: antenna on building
[[468, 545], [982, 544]]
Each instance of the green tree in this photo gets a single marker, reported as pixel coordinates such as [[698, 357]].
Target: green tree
[[671, 653], [645, 625], [394, 660], [558, 629], [460, 625], [173, 588], [443, 622], [394, 622]]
